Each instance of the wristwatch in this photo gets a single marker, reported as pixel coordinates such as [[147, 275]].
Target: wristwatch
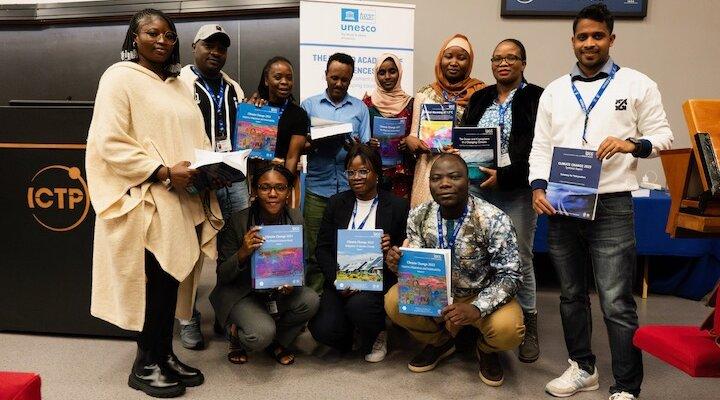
[[167, 182], [638, 146]]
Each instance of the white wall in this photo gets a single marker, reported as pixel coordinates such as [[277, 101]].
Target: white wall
[[677, 45]]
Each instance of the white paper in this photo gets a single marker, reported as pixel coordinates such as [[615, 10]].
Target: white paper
[[332, 129], [641, 193], [235, 159]]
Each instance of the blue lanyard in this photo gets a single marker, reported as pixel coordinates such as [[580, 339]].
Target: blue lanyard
[[354, 214], [502, 109], [451, 239], [599, 94], [217, 100], [284, 106]]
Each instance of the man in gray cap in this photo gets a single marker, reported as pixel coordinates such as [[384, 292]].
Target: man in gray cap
[[217, 97]]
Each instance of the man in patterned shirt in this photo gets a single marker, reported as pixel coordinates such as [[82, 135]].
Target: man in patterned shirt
[[485, 272]]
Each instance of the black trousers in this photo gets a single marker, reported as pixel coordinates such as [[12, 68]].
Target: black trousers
[[338, 317], [160, 302]]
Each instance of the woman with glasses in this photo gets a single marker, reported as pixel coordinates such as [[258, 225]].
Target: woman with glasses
[[453, 84], [364, 206], [389, 100], [150, 233], [255, 320], [510, 106]]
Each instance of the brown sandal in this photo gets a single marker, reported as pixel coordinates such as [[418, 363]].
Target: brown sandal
[[236, 353], [282, 355]]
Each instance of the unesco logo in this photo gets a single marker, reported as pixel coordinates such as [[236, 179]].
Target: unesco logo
[[357, 20], [57, 197], [350, 15]]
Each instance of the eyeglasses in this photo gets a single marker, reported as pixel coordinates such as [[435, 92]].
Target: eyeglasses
[[278, 187], [362, 173], [510, 59], [169, 36]]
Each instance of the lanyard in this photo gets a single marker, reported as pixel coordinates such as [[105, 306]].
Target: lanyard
[[599, 94], [502, 109], [284, 106], [217, 100], [451, 239], [354, 214]]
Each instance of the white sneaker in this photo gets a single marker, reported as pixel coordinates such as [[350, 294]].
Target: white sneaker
[[573, 380], [622, 396], [379, 349]]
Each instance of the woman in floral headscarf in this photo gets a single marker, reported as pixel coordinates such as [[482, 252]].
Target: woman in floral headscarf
[[453, 83], [389, 100]]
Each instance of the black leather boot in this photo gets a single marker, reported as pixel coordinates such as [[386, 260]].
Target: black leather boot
[[188, 375], [529, 350], [150, 377]]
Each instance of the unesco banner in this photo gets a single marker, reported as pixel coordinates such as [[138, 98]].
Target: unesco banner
[[362, 29]]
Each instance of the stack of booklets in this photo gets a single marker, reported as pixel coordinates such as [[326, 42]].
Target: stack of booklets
[[479, 147], [226, 167], [323, 128], [436, 123], [708, 159], [574, 178], [360, 260], [424, 281], [279, 261], [256, 129], [389, 132]]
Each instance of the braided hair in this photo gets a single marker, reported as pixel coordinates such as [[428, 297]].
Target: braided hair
[[263, 89], [129, 50], [255, 216]]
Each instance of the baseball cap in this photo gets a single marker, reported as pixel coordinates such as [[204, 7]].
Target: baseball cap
[[206, 31]]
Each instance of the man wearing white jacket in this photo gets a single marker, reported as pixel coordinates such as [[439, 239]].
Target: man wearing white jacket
[[217, 96], [618, 112]]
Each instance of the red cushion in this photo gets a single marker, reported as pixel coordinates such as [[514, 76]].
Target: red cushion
[[685, 347], [19, 386]]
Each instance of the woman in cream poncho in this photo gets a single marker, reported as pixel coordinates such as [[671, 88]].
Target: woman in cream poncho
[[149, 232]]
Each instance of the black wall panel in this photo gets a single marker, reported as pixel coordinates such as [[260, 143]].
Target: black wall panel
[[60, 61]]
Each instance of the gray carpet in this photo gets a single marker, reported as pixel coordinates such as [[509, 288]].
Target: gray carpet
[[90, 368]]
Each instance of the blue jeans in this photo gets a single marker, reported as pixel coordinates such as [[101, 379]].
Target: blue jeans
[[608, 243], [517, 204], [233, 199]]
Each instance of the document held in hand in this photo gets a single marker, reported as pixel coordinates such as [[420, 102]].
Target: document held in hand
[[573, 185], [424, 281], [230, 167], [322, 128]]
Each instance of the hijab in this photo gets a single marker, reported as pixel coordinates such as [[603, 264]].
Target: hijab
[[462, 90], [389, 102]]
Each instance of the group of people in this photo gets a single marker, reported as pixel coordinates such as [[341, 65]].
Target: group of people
[[151, 234]]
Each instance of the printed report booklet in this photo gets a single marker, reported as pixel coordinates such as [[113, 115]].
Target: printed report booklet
[[424, 281], [256, 129], [479, 147], [436, 123], [360, 260], [573, 185], [389, 132], [323, 128], [230, 167], [279, 261]]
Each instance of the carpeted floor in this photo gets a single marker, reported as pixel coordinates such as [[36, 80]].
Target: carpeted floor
[[90, 368]]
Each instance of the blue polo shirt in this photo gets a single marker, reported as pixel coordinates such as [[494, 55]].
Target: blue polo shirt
[[326, 161]]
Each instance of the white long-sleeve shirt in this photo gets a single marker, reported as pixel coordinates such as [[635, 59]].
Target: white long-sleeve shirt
[[630, 107]]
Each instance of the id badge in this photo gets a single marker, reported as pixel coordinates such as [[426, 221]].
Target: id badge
[[223, 146], [504, 160], [272, 307]]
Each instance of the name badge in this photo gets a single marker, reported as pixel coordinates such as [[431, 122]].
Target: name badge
[[504, 160], [223, 146]]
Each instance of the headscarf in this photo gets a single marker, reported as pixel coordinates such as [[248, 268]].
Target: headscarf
[[466, 87], [389, 102]]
